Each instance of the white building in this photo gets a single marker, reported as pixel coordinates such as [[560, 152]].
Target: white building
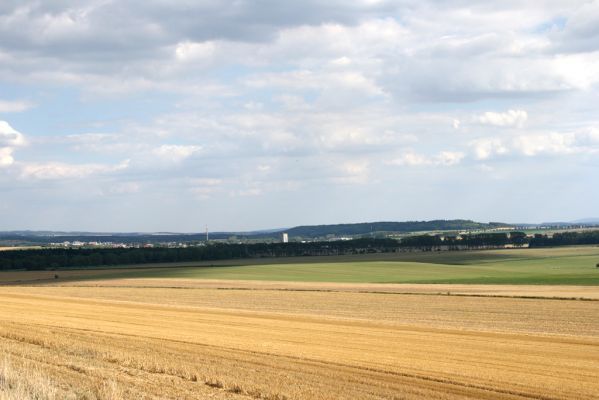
[[285, 238]]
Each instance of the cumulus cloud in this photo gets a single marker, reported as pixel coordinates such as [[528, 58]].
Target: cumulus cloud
[[223, 100], [449, 158], [9, 136], [354, 172], [9, 139], [488, 147], [328, 46], [175, 153], [6, 157], [508, 119], [553, 143], [195, 52]]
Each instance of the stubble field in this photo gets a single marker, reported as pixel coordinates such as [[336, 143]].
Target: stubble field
[[189, 343], [184, 337]]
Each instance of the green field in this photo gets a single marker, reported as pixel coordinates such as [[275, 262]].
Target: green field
[[564, 266]]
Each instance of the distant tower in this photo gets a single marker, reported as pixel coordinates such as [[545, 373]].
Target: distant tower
[[206, 232], [285, 238]]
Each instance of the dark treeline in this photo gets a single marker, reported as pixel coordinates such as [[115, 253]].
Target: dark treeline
[[88, 257], [465, 241], [565, 239]]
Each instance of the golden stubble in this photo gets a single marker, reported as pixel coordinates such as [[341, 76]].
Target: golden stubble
[[138, 342]]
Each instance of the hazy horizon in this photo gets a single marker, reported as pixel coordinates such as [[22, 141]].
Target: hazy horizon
[[275, 229], [170, 116]]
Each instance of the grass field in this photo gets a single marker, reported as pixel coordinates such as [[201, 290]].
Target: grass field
[[557, 266], [526, 266]]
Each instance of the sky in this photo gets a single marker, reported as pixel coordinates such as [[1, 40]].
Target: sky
[[170, 115]]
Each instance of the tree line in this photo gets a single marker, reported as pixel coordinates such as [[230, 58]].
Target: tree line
[[52, 258], [565, 239]]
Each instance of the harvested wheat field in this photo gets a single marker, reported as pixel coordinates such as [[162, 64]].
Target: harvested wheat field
[[204, 342]]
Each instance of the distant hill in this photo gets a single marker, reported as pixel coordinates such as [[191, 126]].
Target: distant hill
[[400, 227], [305, 232], [587, 221], [584, 221]]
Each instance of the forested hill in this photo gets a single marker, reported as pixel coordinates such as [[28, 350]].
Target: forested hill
[[401, 227]]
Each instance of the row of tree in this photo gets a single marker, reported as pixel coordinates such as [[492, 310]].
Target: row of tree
[[565, 239], [86, 257]]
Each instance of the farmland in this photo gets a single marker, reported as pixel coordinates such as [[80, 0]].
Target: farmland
[[308, 329], [554, 266], [529, 266]]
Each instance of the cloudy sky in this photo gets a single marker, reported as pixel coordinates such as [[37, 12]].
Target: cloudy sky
[[161, 115]]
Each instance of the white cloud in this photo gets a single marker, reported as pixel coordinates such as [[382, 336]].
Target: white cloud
[[487, 147], [305, 80], [411, 159], [418, 49], [578, 70], [14, 106], [175, 153], [296, 95], [6, 157], [354, 172], [252, 191], [58, 170], [552, 143], [584, 141], [9, 139], [579, 142], [9, 136], [508, 119], [444, 158], [195, 52], [90, 138]]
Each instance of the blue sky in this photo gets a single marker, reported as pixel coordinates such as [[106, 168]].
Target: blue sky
[[170, 115]]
